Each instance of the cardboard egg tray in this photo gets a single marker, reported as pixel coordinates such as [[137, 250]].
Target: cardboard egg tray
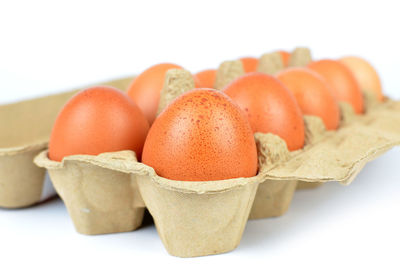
[[25, 129], [108, 193]]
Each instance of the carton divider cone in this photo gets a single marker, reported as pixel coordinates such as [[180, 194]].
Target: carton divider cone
[[270, 63], [177, 82], [300, 57], [227, 72]]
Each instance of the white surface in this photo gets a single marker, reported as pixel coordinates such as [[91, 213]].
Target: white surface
[[48, 47]]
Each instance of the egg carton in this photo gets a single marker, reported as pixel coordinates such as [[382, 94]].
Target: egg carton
[[108, 193], [24, 132]]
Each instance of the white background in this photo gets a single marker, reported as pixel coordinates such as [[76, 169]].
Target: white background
[[48, 47]]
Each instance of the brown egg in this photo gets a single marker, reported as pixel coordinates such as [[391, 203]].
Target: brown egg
[[312, 94], [201, 136], [249, 64], [341, 82], [146, 88], [205, 79], [97, 120], [285, 57], [270, 107], [365, 74]]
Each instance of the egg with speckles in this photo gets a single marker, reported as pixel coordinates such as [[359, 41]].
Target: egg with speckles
[[270, 107], [201, 136]]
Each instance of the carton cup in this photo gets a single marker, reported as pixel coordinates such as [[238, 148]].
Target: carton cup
[[98, 198], [24, 130], [21, 181], [199, 218], [273, 198]]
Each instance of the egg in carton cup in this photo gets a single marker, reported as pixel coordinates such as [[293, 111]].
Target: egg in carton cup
[[327, 155], [24, 132], [196, 218]]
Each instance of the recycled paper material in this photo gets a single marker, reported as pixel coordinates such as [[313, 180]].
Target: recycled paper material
[[300, 57], [270, 63], [340, 155], [100, 200], [177, 82], [227, 72]]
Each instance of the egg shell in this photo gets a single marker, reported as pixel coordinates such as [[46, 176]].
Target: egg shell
[[146, 88], [365, 74], [270, 107], [343, 84], [97, 120], [201, 136], [249, 64], [285, 57], [312, 94], [205, 79]]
